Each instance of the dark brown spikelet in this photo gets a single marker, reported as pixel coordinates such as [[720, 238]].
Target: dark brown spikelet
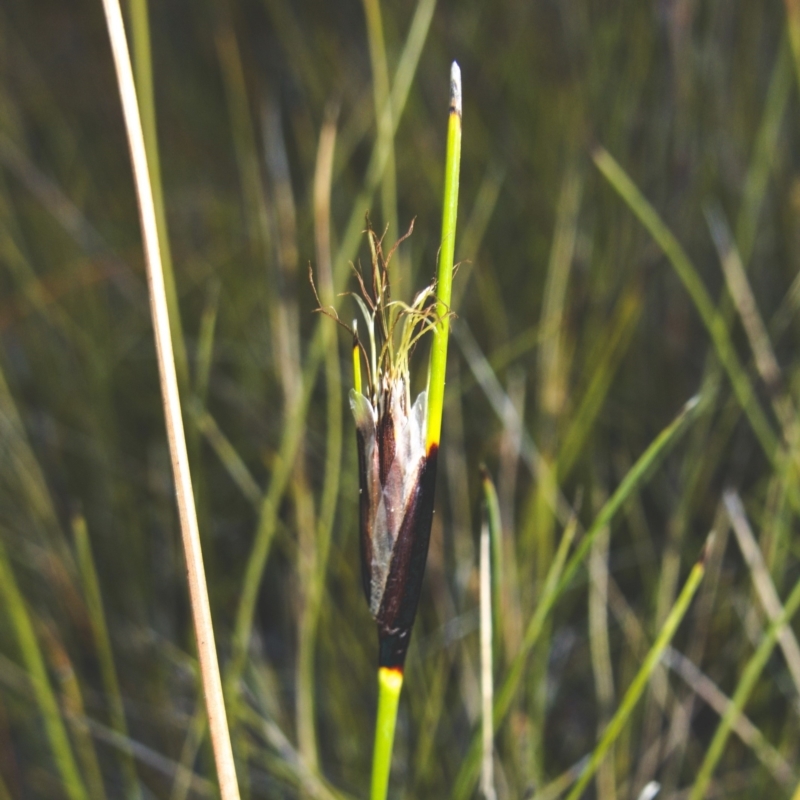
[[396, 471], [401, 596]]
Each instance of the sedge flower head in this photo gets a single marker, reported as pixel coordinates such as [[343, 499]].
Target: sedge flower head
[[396, 473]]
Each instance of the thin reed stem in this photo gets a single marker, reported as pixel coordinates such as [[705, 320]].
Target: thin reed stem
[[390, 682], [709, 314], [750, 675], [380, 84], [639, 683], [72, 707], [487, 678], [444, 280], [559, 576], [495, 526], [198, 590], [33, 659], [309, 624], [102, 642], [145, 94]]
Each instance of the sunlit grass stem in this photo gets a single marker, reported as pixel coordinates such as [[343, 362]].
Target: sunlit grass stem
[[444, 280], [198, 590], [494, 523], [390, 681]]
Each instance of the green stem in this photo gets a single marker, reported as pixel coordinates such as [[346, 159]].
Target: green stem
[[639, 683], [444, 284], [145, 93], [559, 577], [33, 659], [102, 642], [747, 683], [708, 312], [380, 83], [390, 682]]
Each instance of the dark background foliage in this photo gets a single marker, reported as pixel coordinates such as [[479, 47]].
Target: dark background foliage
[[696, 101]]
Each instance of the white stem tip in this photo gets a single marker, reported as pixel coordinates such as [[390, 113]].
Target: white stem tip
[[455, 88]]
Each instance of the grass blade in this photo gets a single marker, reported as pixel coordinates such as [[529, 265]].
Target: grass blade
[[600, 650], [444, 282], [380, 89], [145, 93], [557, 581], [639, 683], [705, 688], [744, 689], [487, 676], [102, 642], [715, 324], [45, 697]]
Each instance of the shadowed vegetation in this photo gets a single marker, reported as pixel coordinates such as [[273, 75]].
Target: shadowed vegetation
[[622, 360]]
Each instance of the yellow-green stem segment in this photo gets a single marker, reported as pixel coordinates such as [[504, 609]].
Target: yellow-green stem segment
[[390, 682], [640, 681], [356, 363], [444, 281]]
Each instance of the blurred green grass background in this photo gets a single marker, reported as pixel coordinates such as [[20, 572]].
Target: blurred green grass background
[[586, 319]]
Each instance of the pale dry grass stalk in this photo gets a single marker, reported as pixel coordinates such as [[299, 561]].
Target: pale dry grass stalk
[[201, 611], [678, 737], [765, 588], [740, 290], [709, 692]]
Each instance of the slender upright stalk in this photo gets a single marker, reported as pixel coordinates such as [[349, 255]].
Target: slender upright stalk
[[495, 527], [102, 641], [383, 115], [145, 94], [640, 681], [487, 678], [747, 683], [198, 591], [390, 673], [444, 280], [390, 682], [15, 607]]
